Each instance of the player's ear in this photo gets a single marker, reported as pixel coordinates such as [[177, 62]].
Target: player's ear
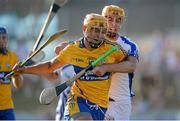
[[84, 28]]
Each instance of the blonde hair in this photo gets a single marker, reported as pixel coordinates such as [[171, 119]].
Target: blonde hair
[[113, 10]]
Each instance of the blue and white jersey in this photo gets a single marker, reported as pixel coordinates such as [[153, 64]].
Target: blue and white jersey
[[61, 104], [121, 85], [65, 73], [129, 46]]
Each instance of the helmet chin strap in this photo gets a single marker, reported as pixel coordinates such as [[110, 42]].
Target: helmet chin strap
[[94, 45]]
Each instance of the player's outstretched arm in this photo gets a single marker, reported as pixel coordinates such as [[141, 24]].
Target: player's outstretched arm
[[41, 68]]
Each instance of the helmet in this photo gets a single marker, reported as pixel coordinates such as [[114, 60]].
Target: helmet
[[113, 10], [95, 20], [96, 27], [3, 30]]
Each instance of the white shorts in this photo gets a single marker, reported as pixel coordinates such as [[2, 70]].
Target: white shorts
[[119, 110]]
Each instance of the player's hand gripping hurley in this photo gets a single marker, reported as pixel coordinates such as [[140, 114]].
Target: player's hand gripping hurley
[[49, 40]]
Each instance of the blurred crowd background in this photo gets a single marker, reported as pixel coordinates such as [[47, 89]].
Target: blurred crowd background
[[153, 24]]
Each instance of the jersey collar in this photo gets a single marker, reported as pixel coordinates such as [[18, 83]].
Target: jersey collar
[[82, 45]]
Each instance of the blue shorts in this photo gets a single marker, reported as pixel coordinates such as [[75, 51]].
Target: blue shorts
[[7, 114], [79, 105]]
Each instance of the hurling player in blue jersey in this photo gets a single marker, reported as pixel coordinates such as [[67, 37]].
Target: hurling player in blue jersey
[[121, 86]]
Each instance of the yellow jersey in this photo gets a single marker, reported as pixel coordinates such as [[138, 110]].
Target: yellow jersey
[[90, 86], [6, 64]]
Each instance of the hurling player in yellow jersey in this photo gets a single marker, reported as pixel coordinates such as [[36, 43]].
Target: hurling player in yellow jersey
[[120, 91], [89, 94], [7, 60]]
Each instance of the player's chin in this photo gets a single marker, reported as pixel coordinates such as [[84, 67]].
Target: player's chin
[[97, 41]]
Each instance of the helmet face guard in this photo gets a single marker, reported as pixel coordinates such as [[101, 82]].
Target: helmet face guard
[[96, 28], [114, 15], [95, 36], [114, 23]]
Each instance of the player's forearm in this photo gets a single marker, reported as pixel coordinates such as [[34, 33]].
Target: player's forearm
[[40, 69], [122, 67]]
